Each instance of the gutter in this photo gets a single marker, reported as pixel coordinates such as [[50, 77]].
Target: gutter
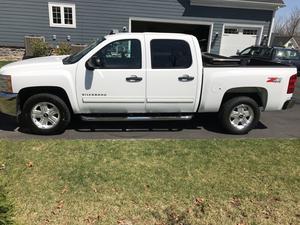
[[243, 4]]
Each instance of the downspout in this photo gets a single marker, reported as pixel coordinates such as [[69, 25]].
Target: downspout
[[272, 27], [273, 21]]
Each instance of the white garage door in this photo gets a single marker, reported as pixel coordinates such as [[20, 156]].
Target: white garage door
[[238, 38]]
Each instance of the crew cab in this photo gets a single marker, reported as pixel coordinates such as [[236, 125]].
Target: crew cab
[[143, 76]]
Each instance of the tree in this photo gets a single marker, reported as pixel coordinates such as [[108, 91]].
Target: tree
[[289, 26]]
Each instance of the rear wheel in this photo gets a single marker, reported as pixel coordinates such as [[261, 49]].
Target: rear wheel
[[239, 115], [46, 114]]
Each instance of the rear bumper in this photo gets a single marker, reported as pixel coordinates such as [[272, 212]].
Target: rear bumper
[[8, 103], [289, 104]]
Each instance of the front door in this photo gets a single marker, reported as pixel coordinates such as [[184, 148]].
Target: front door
[[172, 79], [118, 83]]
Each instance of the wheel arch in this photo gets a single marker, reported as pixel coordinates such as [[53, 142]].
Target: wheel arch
[[27, 92], [259, 94]]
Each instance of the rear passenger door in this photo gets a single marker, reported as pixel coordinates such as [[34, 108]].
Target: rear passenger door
[[172, 77]]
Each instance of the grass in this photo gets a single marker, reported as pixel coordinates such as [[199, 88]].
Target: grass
[[246, 182], [3, 63], [5, 209]]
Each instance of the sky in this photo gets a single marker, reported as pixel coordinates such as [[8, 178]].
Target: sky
[[290, 5]]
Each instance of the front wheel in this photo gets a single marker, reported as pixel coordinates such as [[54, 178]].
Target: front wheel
[[239, 115], [46, 114]]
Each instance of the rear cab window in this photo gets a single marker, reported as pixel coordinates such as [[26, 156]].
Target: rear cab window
[[170, 54]]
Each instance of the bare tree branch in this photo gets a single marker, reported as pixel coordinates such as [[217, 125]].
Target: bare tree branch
[[290, 25]]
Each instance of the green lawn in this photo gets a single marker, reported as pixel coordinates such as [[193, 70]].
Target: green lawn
[[230, 182], [2, 63]]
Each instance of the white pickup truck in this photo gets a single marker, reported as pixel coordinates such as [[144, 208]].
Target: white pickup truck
[[143, 76]]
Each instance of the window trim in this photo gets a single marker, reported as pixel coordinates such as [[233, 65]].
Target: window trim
[[62, 6], [175, 68]]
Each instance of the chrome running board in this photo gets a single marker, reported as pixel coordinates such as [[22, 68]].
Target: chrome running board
[[158, 118]]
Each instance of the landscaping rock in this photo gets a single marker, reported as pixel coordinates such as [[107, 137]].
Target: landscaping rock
[[11, 54]]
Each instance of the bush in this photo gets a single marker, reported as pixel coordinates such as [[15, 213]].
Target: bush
[[64, 49], [40, 48]]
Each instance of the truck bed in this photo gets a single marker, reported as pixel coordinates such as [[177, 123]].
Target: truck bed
[[213, 60]]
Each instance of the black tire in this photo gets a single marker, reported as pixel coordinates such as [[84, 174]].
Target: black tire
[[64, 111], [229, 106]]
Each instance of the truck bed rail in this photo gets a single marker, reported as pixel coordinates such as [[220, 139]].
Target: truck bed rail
[[213, 60]]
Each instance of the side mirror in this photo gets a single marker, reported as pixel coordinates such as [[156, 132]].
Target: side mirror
[[238, 52], [93, 63], [89, 65]]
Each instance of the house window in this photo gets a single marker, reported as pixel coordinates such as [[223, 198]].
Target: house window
[[231, 31], [249, 32], [62, 15]]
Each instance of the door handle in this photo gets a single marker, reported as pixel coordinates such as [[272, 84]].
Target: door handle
[[186, 78], [133, 79]]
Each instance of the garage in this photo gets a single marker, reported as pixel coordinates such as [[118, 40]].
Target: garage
[[237, 38], [200, 30]]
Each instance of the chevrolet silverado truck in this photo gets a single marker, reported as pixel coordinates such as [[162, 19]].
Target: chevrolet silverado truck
[[143, 76]]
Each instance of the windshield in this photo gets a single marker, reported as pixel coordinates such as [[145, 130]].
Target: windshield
[[79, 55]]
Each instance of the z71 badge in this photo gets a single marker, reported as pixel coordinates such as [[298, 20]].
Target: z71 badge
[[274, 80]]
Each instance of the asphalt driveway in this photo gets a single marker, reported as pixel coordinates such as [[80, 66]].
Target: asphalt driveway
[[281, 124]]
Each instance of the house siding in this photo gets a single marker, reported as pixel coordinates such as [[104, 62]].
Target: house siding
[[97, 17]]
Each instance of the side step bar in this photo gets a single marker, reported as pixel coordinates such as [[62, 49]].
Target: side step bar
[[117, 119]]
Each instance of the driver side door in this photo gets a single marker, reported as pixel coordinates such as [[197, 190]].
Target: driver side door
[[117, 83]]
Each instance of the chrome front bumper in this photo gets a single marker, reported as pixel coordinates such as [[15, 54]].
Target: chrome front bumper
[[8, 103]]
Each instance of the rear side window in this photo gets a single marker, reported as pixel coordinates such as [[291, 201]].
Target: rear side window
[[267, 53], [170, 54]]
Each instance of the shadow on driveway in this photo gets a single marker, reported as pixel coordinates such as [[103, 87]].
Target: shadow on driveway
[[207, 122]]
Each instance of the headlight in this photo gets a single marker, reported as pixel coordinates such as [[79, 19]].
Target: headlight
[[5, 83]]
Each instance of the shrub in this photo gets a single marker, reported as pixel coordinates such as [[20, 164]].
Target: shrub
[[64, 49], [40, 48]]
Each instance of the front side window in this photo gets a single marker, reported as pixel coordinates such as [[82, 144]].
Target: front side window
[[62, 15], [170, 54], [256, 51], [122, 54]]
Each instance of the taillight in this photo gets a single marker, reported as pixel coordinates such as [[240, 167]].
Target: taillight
[[292, 84]]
